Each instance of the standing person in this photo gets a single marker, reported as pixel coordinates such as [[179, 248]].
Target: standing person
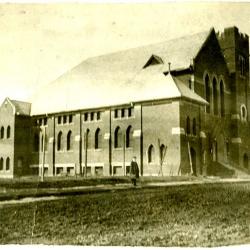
[[134, 171]]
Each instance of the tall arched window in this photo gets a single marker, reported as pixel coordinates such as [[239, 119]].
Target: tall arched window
[[69, 146], [222, 99], [207, 92], [36, 142], [8, 132], [129, 137], [194, 126], [7, 164], [46, 143], [151, 154], [1, 164], [98, 138], [87, 139], [59, 141], [2, 132], [118, 138], [188, 125], [215, 96]]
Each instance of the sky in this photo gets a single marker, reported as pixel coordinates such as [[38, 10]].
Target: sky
[[39, 42]]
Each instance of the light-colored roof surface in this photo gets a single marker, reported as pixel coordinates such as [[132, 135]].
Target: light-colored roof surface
[[119, 78], [21, 108]]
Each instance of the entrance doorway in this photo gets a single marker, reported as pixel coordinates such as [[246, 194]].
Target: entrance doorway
[[245, 161]]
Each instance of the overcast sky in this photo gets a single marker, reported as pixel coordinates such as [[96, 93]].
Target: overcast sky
[[39, 42]]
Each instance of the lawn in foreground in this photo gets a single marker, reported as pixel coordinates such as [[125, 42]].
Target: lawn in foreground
[[197, 215]]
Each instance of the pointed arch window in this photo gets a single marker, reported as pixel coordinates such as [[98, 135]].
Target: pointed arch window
[[87, 139], [1, 164], [59, 141], [8, 132], [98, 138], [207, 92], [194, 126], [46, 143], [215, 97], [7, 164], [222, 99], [151, 154], [129, 137], [69, 140], [118, 138], [2, 132]]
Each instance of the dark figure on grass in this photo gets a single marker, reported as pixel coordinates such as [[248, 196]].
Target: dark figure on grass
[[134, 171]]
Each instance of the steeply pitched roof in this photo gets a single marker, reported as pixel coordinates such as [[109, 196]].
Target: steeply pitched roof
[[118, 78], [21, 108]]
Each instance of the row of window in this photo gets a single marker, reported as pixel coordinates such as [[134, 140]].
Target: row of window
[[122, 113], [92, 116], [7, 133], [151, 153], [188, 126], [217, 97], [64, 119], [88, 116], [119, 139], [41, 121], [7, 164]]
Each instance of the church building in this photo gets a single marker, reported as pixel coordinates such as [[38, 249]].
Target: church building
[[180, 106]]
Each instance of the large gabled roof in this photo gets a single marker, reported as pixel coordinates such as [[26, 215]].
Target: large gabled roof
[[119, 78]]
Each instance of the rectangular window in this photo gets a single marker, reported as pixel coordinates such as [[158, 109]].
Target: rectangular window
[[85, 117], [122, 112], [70, 118], [98, 115], [40, 121], [99, 171], [130, 112], [59, 170], [92, 116], [64, 119], [116, 113], [59, 119], [117, 170], [45, 122]]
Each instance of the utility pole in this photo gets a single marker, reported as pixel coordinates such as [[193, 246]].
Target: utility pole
[[124, 155], [86, 152], [43, 156]]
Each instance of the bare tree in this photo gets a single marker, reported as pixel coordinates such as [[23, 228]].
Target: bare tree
[[162, 155]]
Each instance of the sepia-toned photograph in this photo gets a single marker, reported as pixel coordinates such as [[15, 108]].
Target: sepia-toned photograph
[[125, 124]]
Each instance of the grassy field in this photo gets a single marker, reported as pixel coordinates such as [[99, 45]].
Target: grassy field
[[196, 215], [72, 181]]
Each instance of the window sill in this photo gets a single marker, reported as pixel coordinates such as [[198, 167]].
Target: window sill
[[118, 149], [98, 149], [92, 121], [129, 148], [123, 118]]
